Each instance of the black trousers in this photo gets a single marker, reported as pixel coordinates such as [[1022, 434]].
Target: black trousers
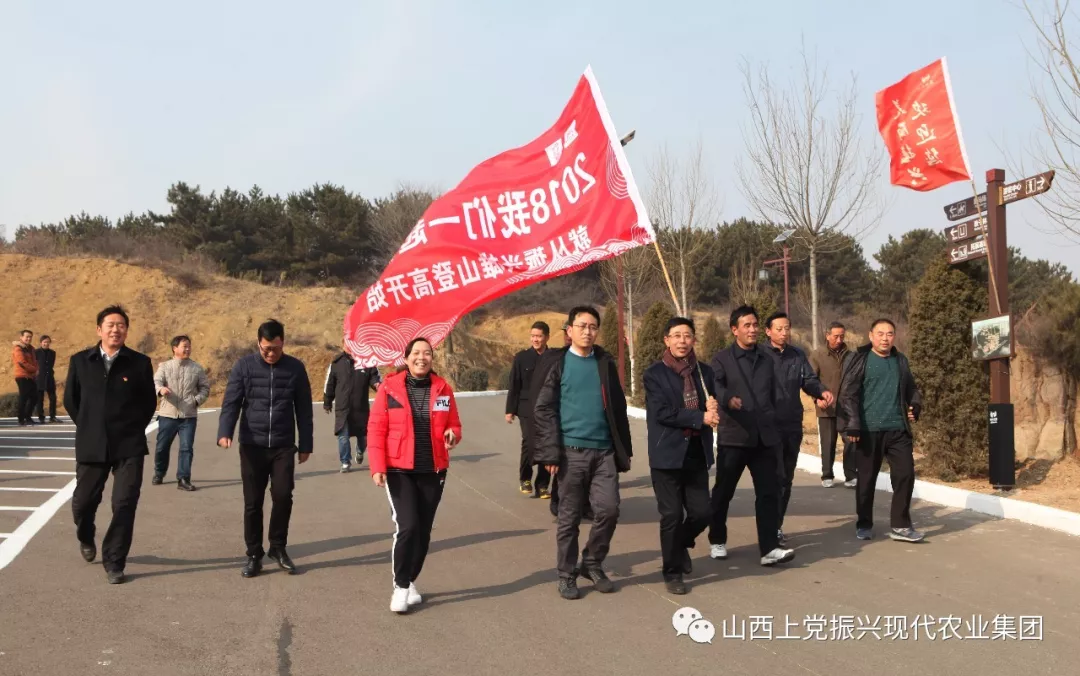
[[762, 462], [872, 448], [90, 481], [27, 398], [414, 499], [525, 465], [50, 390], [260, 465], [587, 476], [682, 498], [827, 434], [790, 443]]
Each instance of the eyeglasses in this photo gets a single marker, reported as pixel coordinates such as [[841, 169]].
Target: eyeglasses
[[590, 328]]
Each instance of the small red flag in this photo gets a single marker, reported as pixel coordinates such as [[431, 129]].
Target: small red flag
[[918, 121]]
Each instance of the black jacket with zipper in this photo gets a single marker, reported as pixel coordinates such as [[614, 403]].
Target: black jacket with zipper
[[851, 390], [110, 412], [754, 424], [348, 387], [271, 402], [547, 392], [519, 391]]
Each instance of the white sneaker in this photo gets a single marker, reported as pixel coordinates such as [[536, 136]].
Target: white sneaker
[[414, 595], [827, 483], [852, 483], [344, 469], [718, 551], [778, 555], [399, 602]]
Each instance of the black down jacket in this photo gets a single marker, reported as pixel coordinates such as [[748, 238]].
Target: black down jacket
[[271, 402]]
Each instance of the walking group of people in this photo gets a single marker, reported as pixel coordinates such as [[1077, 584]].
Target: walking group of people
[[575, 431]]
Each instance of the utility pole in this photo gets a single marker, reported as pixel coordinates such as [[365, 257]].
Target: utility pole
[[782, 238]]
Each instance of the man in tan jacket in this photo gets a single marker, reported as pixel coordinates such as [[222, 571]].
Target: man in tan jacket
[[828, 363], [26, 369], [183, 386]]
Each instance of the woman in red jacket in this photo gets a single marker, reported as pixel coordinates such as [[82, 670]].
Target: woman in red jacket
[[413, 425]]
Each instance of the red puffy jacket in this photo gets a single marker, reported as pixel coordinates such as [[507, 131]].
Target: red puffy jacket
[[391, 442]]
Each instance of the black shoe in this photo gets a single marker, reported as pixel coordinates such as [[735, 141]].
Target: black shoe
[[675, 586], [88, 551], [185, 485], [780, 539], [157, 480], [599, 579], [359, 458], [41, 421], [278, 554], [253, 566], [568, 588], [53, 420], [116, 577]]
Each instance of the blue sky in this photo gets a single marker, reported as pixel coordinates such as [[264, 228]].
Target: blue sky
[[104, 105]]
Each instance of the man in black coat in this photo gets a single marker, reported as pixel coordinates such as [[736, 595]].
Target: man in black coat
[[793, 374], [519, 403], [583, 438], [110, 397], [348, 386], [680, 414], [747, 437], [46, 379], [880, 402], [270, 394]]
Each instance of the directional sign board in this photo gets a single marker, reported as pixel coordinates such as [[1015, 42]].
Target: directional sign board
[[966, 230], [965, 208], [1011, 192], [1028, 187], [967, 251]]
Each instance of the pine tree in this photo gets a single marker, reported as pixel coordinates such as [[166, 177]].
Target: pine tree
[[649, 345], [955, 388], [712, 339], [609, 337]]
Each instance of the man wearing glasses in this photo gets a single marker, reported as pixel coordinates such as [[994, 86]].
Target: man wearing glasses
[[271, 395], [582, 436]]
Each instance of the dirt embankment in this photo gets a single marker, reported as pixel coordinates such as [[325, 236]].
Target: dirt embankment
[[62, 296]]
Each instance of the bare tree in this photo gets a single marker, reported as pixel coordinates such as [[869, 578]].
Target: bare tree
[[395, 216], [639, 275], [805, 165], [682, 201], [1058, 97]]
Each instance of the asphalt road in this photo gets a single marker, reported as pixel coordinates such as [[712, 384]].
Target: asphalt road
[[491, 605]]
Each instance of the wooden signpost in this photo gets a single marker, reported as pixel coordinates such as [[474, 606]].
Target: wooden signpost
[[985, 237]]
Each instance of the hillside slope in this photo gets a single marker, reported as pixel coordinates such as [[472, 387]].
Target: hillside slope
[[61, 297]]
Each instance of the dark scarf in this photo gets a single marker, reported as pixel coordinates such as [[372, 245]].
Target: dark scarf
[[685, 368]]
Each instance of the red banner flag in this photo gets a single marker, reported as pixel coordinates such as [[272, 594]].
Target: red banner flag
[[549, 208], [917, 118]]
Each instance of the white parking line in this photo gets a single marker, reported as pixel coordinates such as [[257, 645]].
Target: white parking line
[[17, 509], [13, 543], [35, 438], [41, 448], [34, 471], [33, 457], [32, 490]]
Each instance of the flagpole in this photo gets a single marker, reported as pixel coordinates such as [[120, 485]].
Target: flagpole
[[974, 188], [675, 299]]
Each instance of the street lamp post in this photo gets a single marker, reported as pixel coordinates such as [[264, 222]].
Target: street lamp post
[[764, 274], [621, 335]]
